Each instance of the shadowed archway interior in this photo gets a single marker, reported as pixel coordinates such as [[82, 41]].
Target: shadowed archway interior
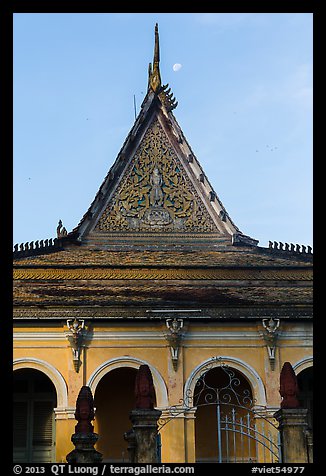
[[305, 383], [114, 399], [34, 424]]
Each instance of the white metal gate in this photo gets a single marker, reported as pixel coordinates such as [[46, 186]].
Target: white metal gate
[[242, 431]]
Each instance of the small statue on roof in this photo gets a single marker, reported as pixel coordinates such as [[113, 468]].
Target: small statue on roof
[[61, 231], [289, 388], [144, 389]]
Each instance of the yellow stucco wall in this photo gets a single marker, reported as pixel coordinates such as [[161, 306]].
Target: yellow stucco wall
[[128, 345]]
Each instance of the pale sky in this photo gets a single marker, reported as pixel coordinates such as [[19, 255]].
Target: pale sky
[[243, 82]]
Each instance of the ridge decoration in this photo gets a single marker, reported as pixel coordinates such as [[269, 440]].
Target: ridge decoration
[[154, 78], [154, 194], [167, 98]]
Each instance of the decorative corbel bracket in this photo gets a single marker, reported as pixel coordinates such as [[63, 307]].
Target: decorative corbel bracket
[[76, 337], [174, 337], [270, 335]]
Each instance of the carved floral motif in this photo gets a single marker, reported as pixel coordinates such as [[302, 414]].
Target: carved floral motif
[[155, 193]]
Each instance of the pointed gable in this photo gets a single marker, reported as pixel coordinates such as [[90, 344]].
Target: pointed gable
[[156, 189], [155, 193]]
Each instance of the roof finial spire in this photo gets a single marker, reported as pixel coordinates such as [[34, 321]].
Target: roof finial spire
[[156, 47], [155, 77]]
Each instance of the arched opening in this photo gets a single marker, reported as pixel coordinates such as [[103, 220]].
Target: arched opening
[[34, 400], [114, 399], [223, 398], [305, 383], [127, 361]]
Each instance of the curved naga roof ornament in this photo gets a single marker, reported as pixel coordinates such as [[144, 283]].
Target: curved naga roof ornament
[[167, 99], [154, 78]]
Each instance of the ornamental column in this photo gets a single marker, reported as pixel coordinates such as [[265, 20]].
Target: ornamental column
[[142, 438], [293, 426], [293, 422]]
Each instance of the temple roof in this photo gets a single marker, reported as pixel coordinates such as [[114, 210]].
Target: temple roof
[[156, 190], [221, 282], [157, 234], [233, 257], [156, 195]]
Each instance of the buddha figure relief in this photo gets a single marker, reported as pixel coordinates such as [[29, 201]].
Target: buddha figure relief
[[156, 193]]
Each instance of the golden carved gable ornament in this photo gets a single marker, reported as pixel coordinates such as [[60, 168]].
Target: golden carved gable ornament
[[155, 193]]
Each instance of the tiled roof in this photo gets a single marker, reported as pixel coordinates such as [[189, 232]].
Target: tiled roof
[[247, 257]]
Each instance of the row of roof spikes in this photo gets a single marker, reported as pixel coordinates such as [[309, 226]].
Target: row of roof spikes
[[279, 246], [37, 246], [41, 246]]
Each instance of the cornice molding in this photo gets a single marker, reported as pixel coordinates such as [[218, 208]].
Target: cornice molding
[[135, 316], [158, 335]]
